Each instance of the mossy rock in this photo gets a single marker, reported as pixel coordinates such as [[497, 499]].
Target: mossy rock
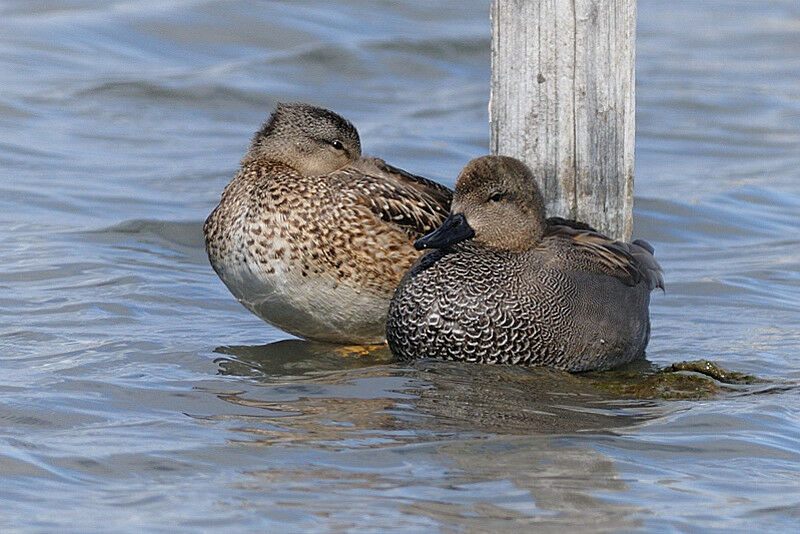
[[689, 380]]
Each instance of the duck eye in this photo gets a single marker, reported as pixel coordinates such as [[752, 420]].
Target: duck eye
[[496, 197], [337, 144]]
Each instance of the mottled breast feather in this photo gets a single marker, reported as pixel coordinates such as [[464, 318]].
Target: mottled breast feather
[[328, 250]]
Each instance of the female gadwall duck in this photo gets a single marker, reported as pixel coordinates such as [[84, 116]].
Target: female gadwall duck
[[312, 237], [508, 286]]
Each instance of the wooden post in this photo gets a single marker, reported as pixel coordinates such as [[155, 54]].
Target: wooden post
[[563, 102]]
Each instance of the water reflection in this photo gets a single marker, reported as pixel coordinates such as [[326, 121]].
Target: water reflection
[[481, 485], [435, 423], [313, 392], [295, 357], [555, 487]]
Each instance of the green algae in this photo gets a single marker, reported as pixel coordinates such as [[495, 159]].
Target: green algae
[[713, 370], [688, 380]]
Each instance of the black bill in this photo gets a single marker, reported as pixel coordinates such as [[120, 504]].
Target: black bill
[[453, 230]]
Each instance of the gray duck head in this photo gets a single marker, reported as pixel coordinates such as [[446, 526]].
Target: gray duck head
[[310, 139], [496, 203]]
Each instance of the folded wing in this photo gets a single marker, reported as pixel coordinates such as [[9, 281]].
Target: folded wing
[[412, 203], [632, 263]]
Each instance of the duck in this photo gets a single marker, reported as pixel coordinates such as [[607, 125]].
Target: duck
[[503, 284], [313, 237]]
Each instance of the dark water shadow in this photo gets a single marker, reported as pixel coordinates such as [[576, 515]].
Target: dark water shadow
[[313, 391], [295, 358]]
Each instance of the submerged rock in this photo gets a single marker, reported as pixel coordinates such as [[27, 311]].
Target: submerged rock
[[688, 380]]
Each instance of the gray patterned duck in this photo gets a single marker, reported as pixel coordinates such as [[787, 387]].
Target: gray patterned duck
[[312, 237], [506, 285]]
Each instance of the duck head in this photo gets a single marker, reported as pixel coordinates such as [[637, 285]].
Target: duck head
[[496, 203], [312, 140]]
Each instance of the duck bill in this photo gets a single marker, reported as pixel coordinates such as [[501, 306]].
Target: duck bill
[[454, 229]]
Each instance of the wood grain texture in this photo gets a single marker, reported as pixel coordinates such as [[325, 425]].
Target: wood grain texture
[[563, 101]]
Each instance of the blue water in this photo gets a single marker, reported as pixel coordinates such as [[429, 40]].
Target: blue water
[[135, 393]]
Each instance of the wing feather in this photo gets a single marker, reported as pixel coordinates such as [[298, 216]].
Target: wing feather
[[412, 203], [631, 263]]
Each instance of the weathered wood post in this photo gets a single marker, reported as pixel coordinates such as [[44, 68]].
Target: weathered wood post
[[563, 101]]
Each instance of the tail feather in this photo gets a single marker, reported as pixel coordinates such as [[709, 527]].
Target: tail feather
[[643, 252]]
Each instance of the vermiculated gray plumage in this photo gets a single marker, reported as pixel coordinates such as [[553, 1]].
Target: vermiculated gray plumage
[[573, 299]]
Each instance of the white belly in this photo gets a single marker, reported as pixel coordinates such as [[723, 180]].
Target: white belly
[[314, 306]]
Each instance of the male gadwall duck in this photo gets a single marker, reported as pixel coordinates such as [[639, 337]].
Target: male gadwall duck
[[312, 237], [507, 285]]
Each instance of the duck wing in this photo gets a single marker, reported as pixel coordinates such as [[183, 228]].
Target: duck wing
[[632, 263], [412, 203], [577, 225]]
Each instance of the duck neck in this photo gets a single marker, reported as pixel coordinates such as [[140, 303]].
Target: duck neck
[[517, 237], [269, 149]]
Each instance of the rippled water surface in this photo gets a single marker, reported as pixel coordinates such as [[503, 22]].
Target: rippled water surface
[[135, 393]]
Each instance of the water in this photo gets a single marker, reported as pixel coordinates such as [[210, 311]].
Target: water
[[135, 393]]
